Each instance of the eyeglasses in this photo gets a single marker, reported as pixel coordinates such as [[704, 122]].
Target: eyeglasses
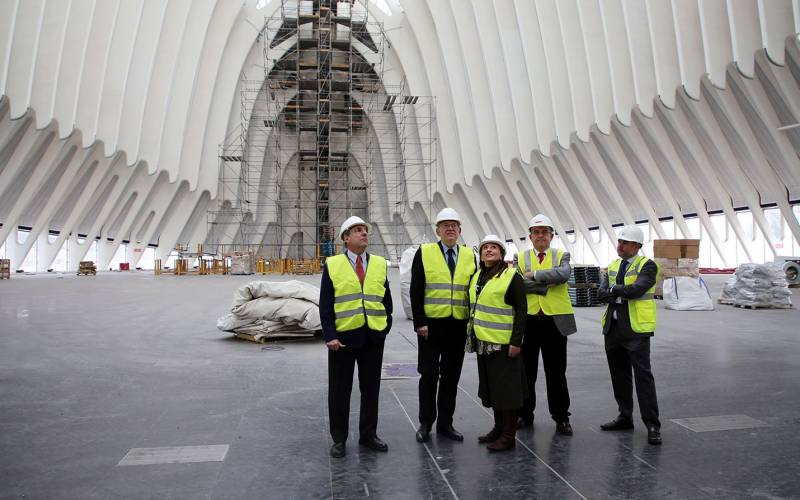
[[540, 232], [449, 225]]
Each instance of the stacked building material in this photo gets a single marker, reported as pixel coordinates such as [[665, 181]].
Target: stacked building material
[[675, 258], [5, 269], [241, 263], [86, 268], [757, 286], [583, 283]]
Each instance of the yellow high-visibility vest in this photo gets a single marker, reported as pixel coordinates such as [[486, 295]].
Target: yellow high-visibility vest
[[556, 301], [353, 305], [642, 311], [446, 296], [491, 318]]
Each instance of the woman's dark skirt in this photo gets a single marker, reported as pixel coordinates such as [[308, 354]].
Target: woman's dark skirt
[[501, 380]]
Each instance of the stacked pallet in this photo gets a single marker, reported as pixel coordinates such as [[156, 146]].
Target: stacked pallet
[[5, 269], [86, 268], [583, 283]]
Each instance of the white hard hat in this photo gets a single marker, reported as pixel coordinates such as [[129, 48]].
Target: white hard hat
[[493, 238], [350, 222], [631, 233], [541, 220], [447, 214]]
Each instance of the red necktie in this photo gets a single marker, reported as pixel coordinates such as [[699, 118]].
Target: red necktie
[[541, 257], [360, 270]]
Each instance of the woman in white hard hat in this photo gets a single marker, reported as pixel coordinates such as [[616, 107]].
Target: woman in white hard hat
[[498, 309]]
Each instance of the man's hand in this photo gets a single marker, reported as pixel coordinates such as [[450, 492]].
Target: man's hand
[[423, 332], [513, 351], [529, 275], [334, 345], [604, 296]]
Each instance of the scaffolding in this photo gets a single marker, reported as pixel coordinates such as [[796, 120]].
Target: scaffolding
[[323, 136]]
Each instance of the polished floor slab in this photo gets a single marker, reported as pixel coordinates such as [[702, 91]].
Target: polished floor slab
[[91, 368]]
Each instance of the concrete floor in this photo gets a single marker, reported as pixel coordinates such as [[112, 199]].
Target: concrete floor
[[92, 367]]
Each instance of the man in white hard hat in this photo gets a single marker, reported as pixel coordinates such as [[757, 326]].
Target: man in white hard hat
[[355, 308], [550, 320], [440, 275], [628, 323]]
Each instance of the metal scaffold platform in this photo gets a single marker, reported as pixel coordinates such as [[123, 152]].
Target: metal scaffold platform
[[325, 135]]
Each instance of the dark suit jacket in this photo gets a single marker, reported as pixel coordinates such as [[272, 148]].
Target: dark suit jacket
[[643, 283], [354, 338]]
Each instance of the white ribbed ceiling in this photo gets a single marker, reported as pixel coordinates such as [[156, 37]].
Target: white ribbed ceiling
[[596, 112]]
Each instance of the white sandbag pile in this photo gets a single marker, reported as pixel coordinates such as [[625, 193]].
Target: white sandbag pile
[[757, 285], [267, 309], [685, 293]]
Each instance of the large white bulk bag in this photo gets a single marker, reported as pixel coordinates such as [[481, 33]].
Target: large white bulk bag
[[683, 293]]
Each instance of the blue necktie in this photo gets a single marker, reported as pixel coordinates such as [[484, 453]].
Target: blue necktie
[[451, 262], [623, 267]]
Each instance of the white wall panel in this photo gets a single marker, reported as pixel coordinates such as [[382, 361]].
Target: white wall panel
[[146, 41], [641, 48], [717, 45], [115, 79], [48, 57], [665, 50], [22, 57], [90, 85], [154, 109], [599, 70], [533, 47], [776, 20], [70, 64], [619, 58], [690, 44], [745, 33], [577, 67]]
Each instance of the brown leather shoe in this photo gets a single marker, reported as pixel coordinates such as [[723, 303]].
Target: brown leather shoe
[[508, 437], [493, 434]]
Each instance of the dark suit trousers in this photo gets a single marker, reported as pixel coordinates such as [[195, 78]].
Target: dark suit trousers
[[541, 334], [341, 365], [439, 361], [628, 352]]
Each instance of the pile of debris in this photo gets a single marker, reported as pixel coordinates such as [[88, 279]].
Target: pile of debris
[[265, 310], [757, 286]]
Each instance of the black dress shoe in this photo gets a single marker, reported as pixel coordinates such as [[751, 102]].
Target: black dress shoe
[[653, 435], [423, 433], [618, 424], [564, 428], [524, 422], [374, 443], [338, 450], [450, 433]]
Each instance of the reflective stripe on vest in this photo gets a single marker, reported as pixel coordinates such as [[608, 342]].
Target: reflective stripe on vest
[[556, 301], [642, 311], [354, 306], [446, 296], [491, 318]]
